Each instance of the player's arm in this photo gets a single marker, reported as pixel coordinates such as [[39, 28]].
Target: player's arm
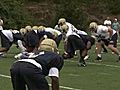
[[110, 31], [55, 83]]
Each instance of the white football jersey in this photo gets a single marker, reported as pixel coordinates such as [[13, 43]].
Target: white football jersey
[[107, 22], [103, 31], [71, 30], [51, 30], [8, 34]]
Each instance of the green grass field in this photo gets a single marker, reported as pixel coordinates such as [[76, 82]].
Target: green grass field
[[103, 75]]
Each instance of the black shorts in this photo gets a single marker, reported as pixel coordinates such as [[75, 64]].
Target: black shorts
[[112, 41], [74, 43], [24, 73]]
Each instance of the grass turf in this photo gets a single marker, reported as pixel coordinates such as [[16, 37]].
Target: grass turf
[[96, 76]]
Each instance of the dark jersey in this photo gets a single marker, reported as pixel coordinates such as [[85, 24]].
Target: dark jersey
[[42, 33], [18, 36], [48, 60]]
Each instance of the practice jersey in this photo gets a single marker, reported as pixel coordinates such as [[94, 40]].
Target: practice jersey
[[51, 30], [82, 32], [71, 30], [1, 28], [49, 60], [8, 34], [103, 31], [57, 27], [107, 22]]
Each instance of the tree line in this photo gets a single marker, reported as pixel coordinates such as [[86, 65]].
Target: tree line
[[75, 11]]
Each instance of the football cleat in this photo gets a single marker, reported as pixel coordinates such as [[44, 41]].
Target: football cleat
[[82, 65], [118, 59], [98, 58], [105, 51]]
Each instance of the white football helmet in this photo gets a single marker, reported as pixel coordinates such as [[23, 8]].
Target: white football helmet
[[48, 45], [28, 28], [61, 21], [23, 31], [35, 28], [41, 28], [93, 25]]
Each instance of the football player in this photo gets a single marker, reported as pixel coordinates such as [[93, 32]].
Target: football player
[[74, 42], [106, 35], [8, 37], [32, 68], [50, 33]]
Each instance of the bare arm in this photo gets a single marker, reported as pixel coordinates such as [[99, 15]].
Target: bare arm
[[55, 83], [110, 31]]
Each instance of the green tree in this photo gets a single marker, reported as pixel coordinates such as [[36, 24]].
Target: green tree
[[13, 14], [73, 13]]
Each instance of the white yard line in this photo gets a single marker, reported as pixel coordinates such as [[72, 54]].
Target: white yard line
[[107, 65], [5, 76], [64, 87], [74, 75]]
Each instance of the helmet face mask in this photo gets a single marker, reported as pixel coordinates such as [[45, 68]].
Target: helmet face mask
[[23, 31], [61, 21], [64, 28], [92, 29]]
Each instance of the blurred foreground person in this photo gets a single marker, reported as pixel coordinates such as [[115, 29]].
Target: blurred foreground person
[[31, 68]]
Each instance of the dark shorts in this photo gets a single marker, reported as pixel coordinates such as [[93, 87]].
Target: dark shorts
[[24, 73], [112, 41], [75, 43]]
